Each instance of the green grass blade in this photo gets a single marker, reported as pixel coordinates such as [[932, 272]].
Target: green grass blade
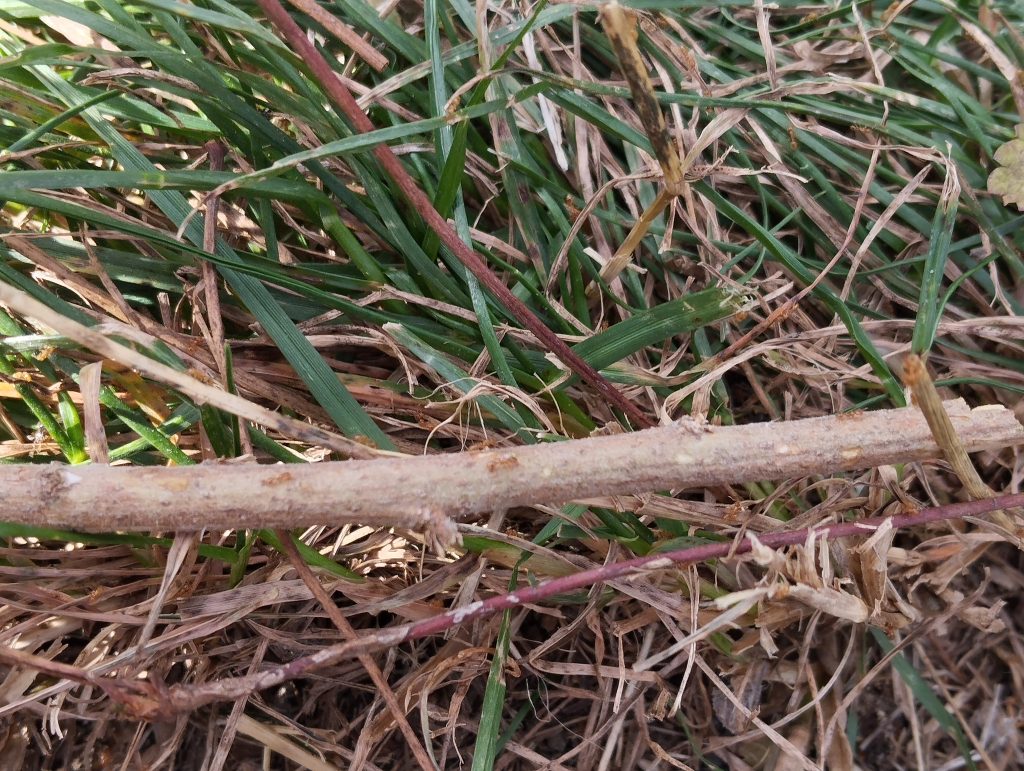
[[925, 696], [323, 383], [929, 303], [659, 323]]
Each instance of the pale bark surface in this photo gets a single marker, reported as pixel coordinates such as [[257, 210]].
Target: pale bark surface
[[423, 492]]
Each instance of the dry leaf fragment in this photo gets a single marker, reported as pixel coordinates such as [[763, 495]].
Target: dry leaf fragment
[[871, 567], [831, 601], [1008, 180]]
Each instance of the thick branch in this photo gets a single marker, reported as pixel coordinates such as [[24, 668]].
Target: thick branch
[[422, 492]]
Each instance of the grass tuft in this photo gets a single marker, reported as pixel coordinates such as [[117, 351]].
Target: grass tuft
[[736, 211]]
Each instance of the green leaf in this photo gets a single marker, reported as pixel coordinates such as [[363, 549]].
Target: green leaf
[[659, 323]]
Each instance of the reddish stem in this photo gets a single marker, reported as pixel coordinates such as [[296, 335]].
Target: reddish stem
[[614, 570], [344, 100], [184, 698]]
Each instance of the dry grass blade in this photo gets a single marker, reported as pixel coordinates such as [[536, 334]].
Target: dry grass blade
[[344, 33], [89, 381], [201, 392], [916, 376], [746, 214], [620, 26]]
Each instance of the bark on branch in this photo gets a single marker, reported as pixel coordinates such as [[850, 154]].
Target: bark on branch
[[422, 493]]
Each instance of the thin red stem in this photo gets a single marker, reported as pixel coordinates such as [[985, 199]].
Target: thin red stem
[[183, 698], [612, 571], [344, 100]]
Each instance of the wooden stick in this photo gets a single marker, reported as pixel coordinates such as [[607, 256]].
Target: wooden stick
[[423, 493]]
